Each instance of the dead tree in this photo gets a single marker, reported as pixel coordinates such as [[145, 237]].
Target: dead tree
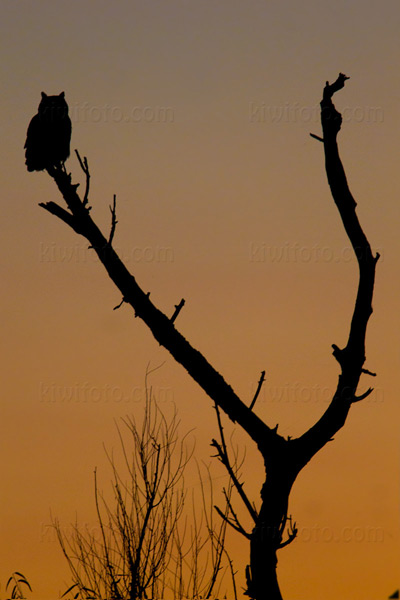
[[283, 458]]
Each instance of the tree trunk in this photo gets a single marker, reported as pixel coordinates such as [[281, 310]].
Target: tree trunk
[[266, 537], [264, 581]]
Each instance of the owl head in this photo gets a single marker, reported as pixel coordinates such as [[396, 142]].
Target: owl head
[[53, 107]]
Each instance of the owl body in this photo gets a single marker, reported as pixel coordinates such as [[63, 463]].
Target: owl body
[[49, 134]]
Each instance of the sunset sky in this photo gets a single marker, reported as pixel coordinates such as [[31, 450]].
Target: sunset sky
[[197, 114]]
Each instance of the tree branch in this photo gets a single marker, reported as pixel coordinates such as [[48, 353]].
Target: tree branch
[[160, 325], [222, 453], [85, 168], [258, 390], [57, 210], [178, 308], [235, 525], [292, 533], [113, 220], [239, 486], [352, 357]]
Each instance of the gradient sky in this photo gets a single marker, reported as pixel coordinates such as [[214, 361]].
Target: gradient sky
[[197, 115]]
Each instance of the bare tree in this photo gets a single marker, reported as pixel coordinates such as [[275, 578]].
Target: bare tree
[[145, 547], [283, 458]]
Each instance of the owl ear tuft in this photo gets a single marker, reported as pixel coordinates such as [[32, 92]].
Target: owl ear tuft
[[44, 95]]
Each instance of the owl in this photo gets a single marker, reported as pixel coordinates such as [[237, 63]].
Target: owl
[[49, 134]]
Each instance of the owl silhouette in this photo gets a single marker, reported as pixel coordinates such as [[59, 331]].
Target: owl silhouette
[[49, 134]]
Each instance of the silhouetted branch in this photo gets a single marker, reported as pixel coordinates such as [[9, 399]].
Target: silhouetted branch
[[235, 525], [160, 325], [119, 305], [364, 395], [233, 573], [261, 381], [178, 308], [337, 85], [221, 433], [61, 213], [234, 515], [239, 486], [217, 536], [316, 137], [85, 168], [222, 453], [368, 372], [113, 220], [352, 357], [292, 533], [108, 565]]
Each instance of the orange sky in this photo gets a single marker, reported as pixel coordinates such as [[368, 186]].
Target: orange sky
[[197, 115]]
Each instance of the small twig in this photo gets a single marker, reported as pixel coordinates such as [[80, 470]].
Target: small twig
[[239, 486], [362, 396], [178, 308], [234, 515], [108, 562], [316, 137], [61, 213], [238, 528], [113, 220], [292, 533], [258, 390], [233, 573], [120, 304], [85, 168], [221, 433], [368, 372]]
